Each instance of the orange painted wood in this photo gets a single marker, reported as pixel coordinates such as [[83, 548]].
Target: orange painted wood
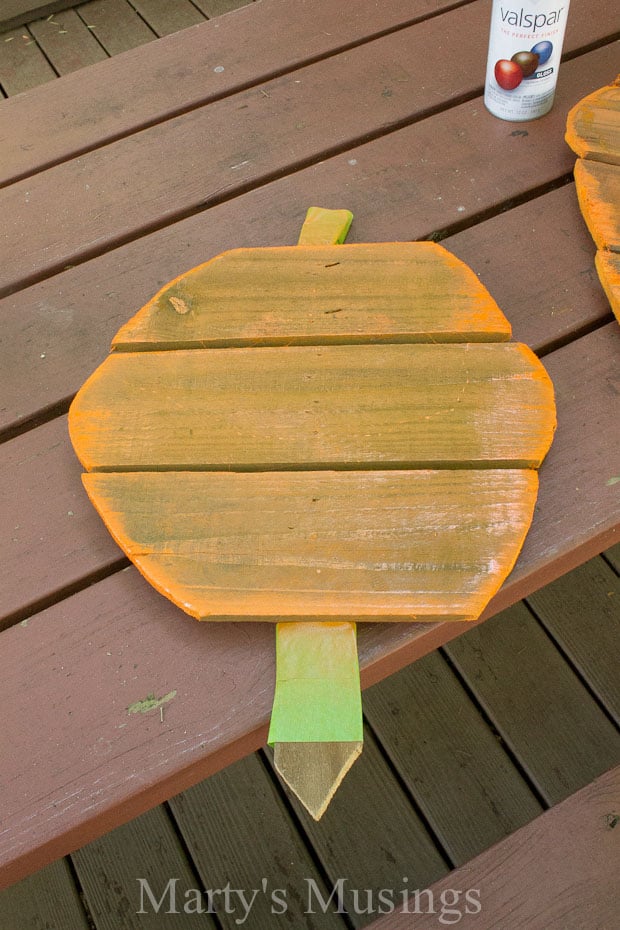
[[103, 767], [272, 408], [360, 406], [386, 292], [361, 546], [558, 871], [598, 189], [593, 125]]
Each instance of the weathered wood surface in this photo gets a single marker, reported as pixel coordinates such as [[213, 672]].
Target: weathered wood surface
[[242, 151], [15, 12], [138, 91], [454, 170], [116, 24], [532, 880]]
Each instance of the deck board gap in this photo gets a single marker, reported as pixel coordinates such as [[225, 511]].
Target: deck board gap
[[80, 892], [41, 49], [583, 680], [55, 597], [419, 812], [486, 717], [193, 868]]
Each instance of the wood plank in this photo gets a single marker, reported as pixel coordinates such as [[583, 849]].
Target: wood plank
[[22, 63], [228, 823], [593, 125], [436, 740], [249, 142], [411, 406], [30, 527], [598, 189], [83, 307], [381, 292], [116, 25], [67, 42], [218, 7], [557, 873], [613, 556], [580, 611], [149, 85], [48, 898], [536, 702], [608, 267], [16, 12], [165, 18], [125, 874], [370, 836], [321, 545]]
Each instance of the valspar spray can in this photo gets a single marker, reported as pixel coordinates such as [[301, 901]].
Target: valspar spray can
[[525, 46]]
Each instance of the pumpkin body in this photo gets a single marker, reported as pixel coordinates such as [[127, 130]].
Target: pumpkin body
[[318, 433], [593, 132]]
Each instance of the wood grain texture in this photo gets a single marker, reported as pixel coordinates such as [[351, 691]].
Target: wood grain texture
[[581, 614], [571, 742], [109, 870], [598, 190], [225, 821], [321, 545], [593, 125], [547, 889], [435, 738], [380, 292], [608, 268], [374, 406]]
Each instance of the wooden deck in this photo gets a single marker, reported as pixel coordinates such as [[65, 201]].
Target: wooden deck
[[462, 748], [473, 741]]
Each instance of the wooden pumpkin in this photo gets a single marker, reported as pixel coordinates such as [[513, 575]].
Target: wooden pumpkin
[[312, 436], [593, 132]]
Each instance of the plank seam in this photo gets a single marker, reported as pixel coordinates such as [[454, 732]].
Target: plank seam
[[581, 677], [81, 893], [176, 827], [60, 594], [490, 723], [396, 774]]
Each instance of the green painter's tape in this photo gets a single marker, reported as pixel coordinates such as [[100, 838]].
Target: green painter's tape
[[317, 697]]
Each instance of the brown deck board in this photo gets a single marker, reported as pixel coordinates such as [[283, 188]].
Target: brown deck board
[[235, 824], [526, 680], [581, 613], [435, 738], [22, 63], [146, 848], [49, 898], [18, 12], [137, 90], [219, 7], [557, 873], [67, 42], [116, 25], [370, 834], [165, 18], [236, 157]]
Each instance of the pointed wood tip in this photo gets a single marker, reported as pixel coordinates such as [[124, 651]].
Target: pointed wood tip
[[314, 771]]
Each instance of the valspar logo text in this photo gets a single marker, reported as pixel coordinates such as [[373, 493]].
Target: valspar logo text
[[532, 22], [448, 906]]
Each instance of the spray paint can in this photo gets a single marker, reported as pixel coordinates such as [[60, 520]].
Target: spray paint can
[[525, 46]]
